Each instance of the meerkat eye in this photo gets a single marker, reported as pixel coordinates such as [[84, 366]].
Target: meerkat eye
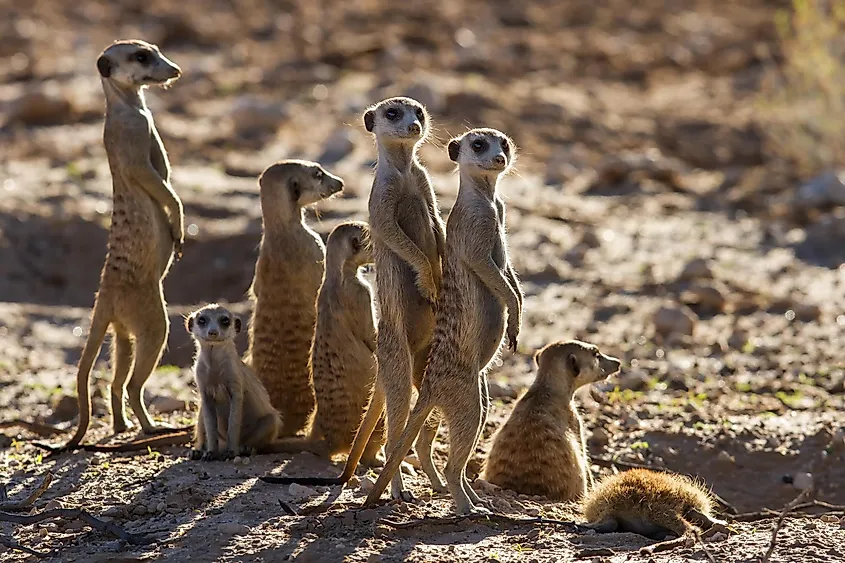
[[224, 321], [142, 57], [202, 321], [506, 146], [392, 114], [318, 174], [294, 186], [420, 115], [478, 145]]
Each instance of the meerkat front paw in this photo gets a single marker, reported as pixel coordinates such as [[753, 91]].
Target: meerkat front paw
[[195, 454], [209, 456], [513, 336], [427, 288]]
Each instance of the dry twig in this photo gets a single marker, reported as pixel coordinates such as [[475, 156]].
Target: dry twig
[[16, 505], [34, 427], [786, 510], [838, 509], [72, 514], [12, 544]]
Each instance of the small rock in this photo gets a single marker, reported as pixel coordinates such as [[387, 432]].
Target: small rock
[[337, 147], [43, 532], [502, 504], [354, 481], [375, 558], [830, 518], [234, 529], [66, 408], [74, 525], [806, 313], [246, 460], [810, 525], [501, 391], [173, 510], [634, 379], [717, 537], [738, 339], [367, 483], [725, 457], [367, 515], [590, 239], [114, 546], [533, 512], [707, 297], [822, 191], [413, 461], [54, 505], [802, 481], [298, 491], [407, 469], [139, 510], [674, 320], [348, 520], [237, 460], [161, 507], [696, 269], [600, 437], [165, 405]]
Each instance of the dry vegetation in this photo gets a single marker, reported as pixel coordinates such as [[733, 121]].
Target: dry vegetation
[[660, 211]]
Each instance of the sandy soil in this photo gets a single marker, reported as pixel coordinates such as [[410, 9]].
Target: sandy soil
[[646, 216]]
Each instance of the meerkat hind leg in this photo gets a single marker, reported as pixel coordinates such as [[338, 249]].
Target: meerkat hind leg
[[423, 449], [462, 418], [394, 359], [123, 356], [485, 406], [607, 526], [151, 331]]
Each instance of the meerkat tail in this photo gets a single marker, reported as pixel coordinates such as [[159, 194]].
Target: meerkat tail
[[415, 423], [296, 444], [368, 425], [180, 438], [100, 321]]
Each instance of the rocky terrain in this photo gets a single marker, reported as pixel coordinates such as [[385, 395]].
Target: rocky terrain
[[648, 214]]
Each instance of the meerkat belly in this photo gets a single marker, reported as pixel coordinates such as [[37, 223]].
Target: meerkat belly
[[414, 219], [485, 317], [139, 238]]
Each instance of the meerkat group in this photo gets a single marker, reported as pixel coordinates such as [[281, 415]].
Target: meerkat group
[[318, 375]]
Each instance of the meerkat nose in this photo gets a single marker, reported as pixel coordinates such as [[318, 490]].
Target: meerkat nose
[[414, 128], [213, 333], [500, 159]]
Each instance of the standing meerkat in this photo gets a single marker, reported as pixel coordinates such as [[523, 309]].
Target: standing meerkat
[[408, 242], [288, 275], [541, 449], [343, 355], [146, 232], [235, 416], [652, 504], [479, 287]]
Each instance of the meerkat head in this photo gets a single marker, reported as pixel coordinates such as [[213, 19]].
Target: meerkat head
[[350, 242], [213, 324], [135, 64], [483, 152], [293, 184], [398, 120], [578, 362]]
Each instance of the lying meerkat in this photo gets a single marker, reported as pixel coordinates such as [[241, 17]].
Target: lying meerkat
[[408, 241], [288, 275], [479, 287], [652, 504], [541, 449], [343, 358], [146, 232], [235, 411]]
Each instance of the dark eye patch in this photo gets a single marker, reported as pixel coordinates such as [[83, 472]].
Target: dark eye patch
[[318, 173], [142, 57], [202, 321], [392, 114], [420, 115], [506, 146], [479, 145], [224, 321]]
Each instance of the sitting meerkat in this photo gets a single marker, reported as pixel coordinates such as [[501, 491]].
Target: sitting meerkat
[[146, 233], [236, 416], [288, 275], [652, 504], [343, 358], [541, 449]]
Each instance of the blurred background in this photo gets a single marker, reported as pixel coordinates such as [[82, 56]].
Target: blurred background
[[676, 199]]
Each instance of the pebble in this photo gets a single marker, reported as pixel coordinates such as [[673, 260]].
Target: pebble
[[237, 460], [674, 320], [164, 404], [43, 532], [298, 491], [139, 510], [600, 437], [826, 189], [54, 505], [725, 457], [696, 269], [65, 409], [408, 469], [161, 507], [354, 481], [234, 528], [367, 515], [830, 518], [842, 523], [718, 536], [367, 483], [502, 504], [802, 481], [533, 512], [337, 147]]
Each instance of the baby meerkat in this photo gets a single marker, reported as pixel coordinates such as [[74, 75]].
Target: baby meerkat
[[288, 275], [541, 449], [343, 357], [652, 504], [479, 288], [408, 241], [146, 232], [235, 411]]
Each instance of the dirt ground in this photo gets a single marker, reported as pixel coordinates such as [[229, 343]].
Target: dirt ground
[[646, 216]]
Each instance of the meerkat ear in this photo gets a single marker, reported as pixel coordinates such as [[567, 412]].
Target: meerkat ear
[[238, 325], [104, 66], [189, 323], [370, 120], [454, 150], [355, 243], [572, 365]]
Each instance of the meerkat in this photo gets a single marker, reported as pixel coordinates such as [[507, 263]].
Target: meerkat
[[235, 416], [343, 354], [541, 449], [408, 241], [147, 231], [479, 288], [652, 504], [288, 275]]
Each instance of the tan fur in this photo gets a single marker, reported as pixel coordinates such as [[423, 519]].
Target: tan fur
[[236, 416], [479, 287], [541, 449], [146, 231], [408, 241], [343, 359], [288, 275], [652, 504]]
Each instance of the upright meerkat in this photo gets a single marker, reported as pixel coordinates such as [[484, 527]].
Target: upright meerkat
[[146, 232], [479, 288], [236, 416], [541, 449], [652, 504], [408, 242], [343, 355], [288, 275]]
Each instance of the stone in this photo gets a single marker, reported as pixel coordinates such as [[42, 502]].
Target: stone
[[298, 491], [674, 320], [54, 505], [802, 481], [163, 404], [600, 437], [824, 190], [706, 296], [696, 269], [338, 146], [66, 408], [367, 483], [234, 528]]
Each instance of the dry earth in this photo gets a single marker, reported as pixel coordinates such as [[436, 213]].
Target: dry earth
[[646, 216]]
